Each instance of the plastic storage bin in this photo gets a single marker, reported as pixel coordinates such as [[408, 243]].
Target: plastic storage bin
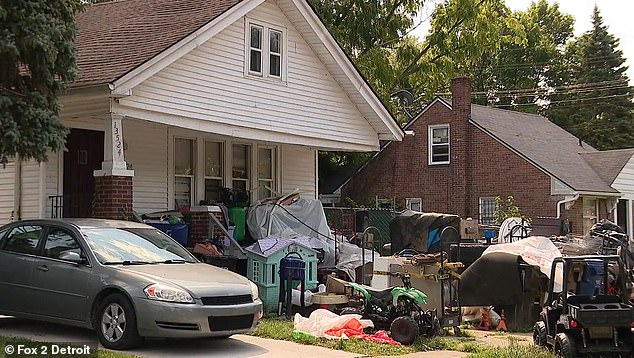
[[178, 232]]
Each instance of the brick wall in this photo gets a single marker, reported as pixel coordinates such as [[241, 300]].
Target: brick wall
[[199, 226], [113, 197], [480, 167]]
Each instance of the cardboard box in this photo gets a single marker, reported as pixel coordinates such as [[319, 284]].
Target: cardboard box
[[469, 229]]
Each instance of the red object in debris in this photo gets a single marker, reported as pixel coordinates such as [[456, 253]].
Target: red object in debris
[[354, 329], [485, 321], [502, 324]]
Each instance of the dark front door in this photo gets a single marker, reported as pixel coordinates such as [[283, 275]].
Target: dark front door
[[83, 157]]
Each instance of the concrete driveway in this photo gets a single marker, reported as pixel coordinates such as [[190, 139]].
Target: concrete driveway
[[238, 346]]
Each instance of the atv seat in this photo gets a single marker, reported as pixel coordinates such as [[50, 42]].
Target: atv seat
[[383, 294]]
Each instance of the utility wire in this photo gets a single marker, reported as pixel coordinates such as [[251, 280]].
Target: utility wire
[[563, 101]]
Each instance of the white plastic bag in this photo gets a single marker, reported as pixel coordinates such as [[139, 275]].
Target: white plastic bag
[[322, 320], [535, 250]]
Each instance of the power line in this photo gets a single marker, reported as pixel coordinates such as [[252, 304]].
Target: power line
[[563, 101]]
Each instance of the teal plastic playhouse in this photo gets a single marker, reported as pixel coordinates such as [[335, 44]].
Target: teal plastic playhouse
[[263, 265]]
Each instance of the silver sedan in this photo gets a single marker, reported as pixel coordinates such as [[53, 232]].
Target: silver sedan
[[124, 280]]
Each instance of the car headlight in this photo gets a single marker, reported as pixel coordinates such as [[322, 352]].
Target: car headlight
[[167, 293], [254, 290]]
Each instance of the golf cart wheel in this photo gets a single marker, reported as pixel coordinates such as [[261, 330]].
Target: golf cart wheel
[[564, 346], [539, 334], [404, 330], [115, 323]]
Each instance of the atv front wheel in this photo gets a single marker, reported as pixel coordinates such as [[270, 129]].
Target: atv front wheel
[[404, 330], [539, 334], [564, 346]]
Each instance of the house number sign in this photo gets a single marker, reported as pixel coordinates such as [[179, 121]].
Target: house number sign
[[116, 136]]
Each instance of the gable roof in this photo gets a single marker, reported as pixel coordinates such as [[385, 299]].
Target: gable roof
[[544, 144], [113, 38], [608, 163], [123, 42]]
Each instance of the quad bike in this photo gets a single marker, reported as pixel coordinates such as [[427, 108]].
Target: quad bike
[[395, 308], [591, 314]]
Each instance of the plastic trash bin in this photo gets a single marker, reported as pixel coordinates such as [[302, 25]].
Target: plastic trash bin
[[239, 217], [178, 232]]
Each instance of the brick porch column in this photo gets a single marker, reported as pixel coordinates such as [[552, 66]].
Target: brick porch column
[[113, 183]]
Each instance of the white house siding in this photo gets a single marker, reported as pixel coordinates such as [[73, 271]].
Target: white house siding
[[32, 190], [146, 152], [624, 183], [298, 170], [53, 184], [209, 85], [7, 180]]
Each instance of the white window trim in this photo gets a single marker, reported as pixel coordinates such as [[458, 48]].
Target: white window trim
[[192, 177], [430, 132], [266, 28], [480, 202], [583, 213], [274, 171], [227, 149], [410, 201]]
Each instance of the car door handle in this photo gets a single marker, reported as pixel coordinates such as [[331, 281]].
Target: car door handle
[[43, 268]]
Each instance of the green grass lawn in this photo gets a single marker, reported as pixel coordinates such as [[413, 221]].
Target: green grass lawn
[[279, 329], [4, 341]]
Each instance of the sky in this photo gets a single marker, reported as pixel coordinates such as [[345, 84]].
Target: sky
[[617, 15]]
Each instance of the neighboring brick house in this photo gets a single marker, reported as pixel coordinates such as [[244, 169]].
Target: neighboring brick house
[[478, 153]]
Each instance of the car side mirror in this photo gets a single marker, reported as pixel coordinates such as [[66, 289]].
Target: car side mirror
[[71, 256]]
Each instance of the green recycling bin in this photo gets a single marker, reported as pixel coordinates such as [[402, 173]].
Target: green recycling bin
[[239, 218]]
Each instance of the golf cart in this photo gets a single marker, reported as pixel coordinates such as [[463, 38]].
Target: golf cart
[[591, 312]]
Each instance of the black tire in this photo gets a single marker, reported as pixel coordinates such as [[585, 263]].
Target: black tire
[[404, 330], [115, 323], [539, 334], [349, 310], [564, 346]]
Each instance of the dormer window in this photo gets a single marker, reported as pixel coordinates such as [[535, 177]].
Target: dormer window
[[266, 45]]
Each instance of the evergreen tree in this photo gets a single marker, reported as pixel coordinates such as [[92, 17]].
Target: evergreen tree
[[37, 59], [597, 105]]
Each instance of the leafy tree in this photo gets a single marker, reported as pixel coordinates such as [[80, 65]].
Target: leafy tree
[[506, 208], [598, 107], [37, 59]]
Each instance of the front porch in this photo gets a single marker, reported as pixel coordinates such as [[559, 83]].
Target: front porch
[[170, 168]]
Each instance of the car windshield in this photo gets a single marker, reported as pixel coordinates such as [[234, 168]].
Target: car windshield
[[135, 246]]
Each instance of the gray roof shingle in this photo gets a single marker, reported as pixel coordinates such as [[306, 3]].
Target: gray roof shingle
[[545, 144], [609, 163], [115, 37]]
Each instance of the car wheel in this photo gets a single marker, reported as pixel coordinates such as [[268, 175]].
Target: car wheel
[[564, 346], [116, 323], [404, 330], [539, 334]]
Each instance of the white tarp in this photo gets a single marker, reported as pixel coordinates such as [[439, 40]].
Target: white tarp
[[322, 320], [305, 219], [535, 250]]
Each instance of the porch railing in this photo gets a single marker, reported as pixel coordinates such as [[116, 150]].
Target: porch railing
[[57, 206], [70, 205]]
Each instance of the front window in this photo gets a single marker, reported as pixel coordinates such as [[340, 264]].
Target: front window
[[487, 211], [414, 204], [265, 50], [275, 53], [255, 52], [439, 144], [213, 171], [240, 170], [183, 171], [135, 246], [266, 170], [590, 211]]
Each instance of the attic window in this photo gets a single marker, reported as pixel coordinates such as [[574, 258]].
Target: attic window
[[438, 144], [265, 50]]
